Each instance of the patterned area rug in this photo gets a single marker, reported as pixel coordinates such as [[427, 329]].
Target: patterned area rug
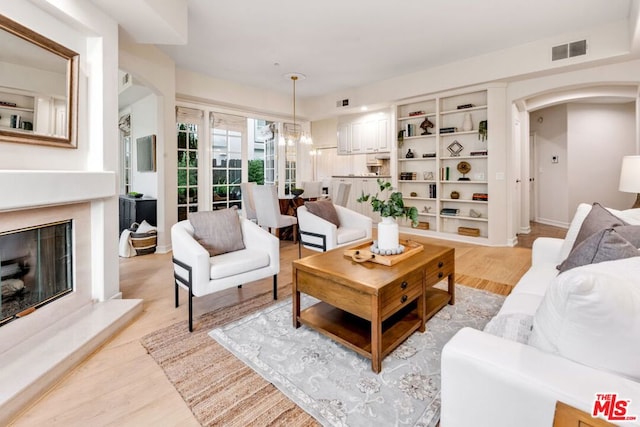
[[336, 385]]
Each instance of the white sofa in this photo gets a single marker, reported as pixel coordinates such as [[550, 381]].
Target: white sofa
[[507, 380]]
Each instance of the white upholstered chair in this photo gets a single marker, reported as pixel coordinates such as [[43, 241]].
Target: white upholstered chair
[[318, 234], [201, 274], [312, 189], [265, 198], [248, 207], [342, 195]]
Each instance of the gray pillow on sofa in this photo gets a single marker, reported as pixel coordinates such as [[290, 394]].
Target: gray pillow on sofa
[[325, 210], [218, 231], [598, 219], [607, 245]]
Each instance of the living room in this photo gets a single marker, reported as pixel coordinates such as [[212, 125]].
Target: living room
[[89, 174]]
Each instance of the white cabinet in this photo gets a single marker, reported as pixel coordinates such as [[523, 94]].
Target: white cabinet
[[448, 200], [364, 134], [344, 138]]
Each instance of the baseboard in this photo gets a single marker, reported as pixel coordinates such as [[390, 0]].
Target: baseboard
[[552, 222]]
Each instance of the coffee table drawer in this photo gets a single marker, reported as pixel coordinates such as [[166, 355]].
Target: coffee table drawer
[[400, 292], [440, 268]]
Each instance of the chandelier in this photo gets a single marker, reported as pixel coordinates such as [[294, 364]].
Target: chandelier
[[292, 132]]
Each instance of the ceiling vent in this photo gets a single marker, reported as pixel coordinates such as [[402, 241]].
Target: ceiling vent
[[569, 50], [342, 103]]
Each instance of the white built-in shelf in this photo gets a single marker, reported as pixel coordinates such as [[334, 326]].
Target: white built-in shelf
[[427, 214], [415, 181], [480, 202], [6, 107], [462, 132], [431, 135], [464, 110], [418, 198], [462, 182], [417, 116], [463, 157], [416, 159], [466, 218]]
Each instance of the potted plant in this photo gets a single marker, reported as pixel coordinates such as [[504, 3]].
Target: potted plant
[[390, 209]]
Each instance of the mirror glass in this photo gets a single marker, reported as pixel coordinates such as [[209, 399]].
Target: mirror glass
[[38, 88], [146, 153]]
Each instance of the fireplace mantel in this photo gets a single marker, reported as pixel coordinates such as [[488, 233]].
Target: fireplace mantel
[[24, 189]]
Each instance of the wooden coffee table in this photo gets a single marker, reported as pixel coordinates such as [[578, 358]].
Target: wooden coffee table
[[372, 308]]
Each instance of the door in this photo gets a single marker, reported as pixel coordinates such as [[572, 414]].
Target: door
[[533, 169]]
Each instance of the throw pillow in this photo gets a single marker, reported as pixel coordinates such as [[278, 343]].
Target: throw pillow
[[607, 245], [325, 210], [218, 231], [597, 219], [590, 315]]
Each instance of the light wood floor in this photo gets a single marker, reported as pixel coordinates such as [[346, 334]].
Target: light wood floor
[[121, 385]]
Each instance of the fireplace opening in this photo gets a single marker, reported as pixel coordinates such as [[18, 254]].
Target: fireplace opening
[[35, 268]]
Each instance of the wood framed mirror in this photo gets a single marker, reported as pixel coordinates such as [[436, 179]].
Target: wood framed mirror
[[38, 88]]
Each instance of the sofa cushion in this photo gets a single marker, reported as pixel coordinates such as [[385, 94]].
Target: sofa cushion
[[591, 314], [218, 231], [233, 263], [514, 327], [606, 245], [325, 210]]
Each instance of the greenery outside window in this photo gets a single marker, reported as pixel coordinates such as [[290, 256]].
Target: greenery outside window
[[187, 169]]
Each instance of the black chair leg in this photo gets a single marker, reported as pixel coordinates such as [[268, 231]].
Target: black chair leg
[[190, 311], [275, 286], [239, 286], [176, 297]]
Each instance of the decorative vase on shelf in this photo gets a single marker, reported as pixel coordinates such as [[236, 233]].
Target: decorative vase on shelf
[[388, 234], [467, 124]]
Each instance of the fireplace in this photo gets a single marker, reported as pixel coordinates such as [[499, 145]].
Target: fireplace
[[35, 268]]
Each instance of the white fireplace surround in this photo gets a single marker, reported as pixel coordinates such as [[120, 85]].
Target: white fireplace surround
[[36, 350]]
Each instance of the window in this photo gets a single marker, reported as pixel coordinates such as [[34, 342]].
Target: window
[[125, 153], [187, 169], [227, 133]]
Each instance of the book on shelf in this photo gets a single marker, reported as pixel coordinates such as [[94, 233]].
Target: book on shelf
[[444, 173], [463, 106], [448, 130], [449, 211], [480, 196], [432, 191], [479, 153], [408, 176]]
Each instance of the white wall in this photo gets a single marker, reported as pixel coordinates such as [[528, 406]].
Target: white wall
[[599, 135], [144, 122], [550, 127]]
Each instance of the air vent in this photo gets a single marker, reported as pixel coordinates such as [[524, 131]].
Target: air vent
[[569, 50], [342, 103]]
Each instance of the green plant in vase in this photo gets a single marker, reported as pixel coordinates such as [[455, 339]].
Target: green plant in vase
[[393, 206]]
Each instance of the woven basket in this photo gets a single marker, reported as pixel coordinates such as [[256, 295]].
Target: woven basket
[[143, 243]]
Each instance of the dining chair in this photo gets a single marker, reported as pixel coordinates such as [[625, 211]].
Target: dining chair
[[342, 195], [312, 189], [265, 198], [248, 206]]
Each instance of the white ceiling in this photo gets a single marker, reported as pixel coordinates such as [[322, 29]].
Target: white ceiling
[[340, 44]]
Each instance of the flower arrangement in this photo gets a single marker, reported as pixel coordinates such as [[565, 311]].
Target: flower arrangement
[[392, 207]]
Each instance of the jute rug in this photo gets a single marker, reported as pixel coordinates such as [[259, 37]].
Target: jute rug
[[218, 387]]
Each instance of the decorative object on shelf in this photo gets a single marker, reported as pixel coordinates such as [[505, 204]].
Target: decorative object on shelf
[[467, 124], [409, 154], [428, 155], [463, 106], [425, 125], [8, 104], [482, 130], [449, 130], [464, 168], [297, 192], [455, 195], [455, 148], [469, 231], [474, 213], [389, 210], [479, 153], [480, 196], [414, 194], [426, 209], [400, 137], [416, 113], [449, 211], [427, 175], [422, 225]]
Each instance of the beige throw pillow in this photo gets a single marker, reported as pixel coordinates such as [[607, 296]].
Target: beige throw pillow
[[218, 231], [325, 210]]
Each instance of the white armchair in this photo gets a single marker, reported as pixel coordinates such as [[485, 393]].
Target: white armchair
[[201, 274], [321, 235]]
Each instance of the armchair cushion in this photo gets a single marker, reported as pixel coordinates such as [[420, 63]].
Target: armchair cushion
[[218, 231], [325, 210], [348, 234], [237, 262]]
